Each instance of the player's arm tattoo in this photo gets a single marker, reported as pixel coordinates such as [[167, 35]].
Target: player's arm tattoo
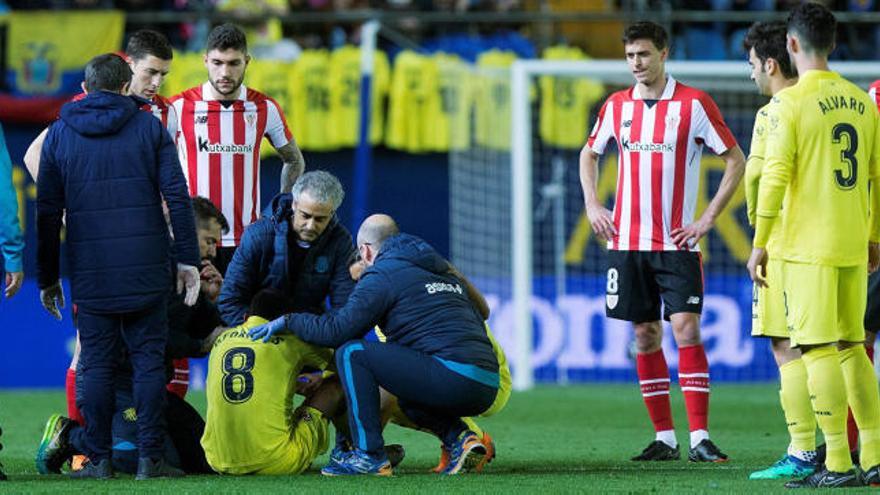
[[294, 165]]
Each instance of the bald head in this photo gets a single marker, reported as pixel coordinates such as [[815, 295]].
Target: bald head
[[375, 229]]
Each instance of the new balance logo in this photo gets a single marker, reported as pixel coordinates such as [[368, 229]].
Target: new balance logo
[[206, 147], [201, 119], [693, 300], [627, 123]]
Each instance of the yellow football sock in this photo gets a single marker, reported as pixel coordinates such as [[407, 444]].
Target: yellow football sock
[[795, 399], [826, 384], [861, 391], [472, 425]]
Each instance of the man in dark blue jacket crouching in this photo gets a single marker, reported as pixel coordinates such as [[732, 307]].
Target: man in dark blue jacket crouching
[[437, 360], [298, 247], [106, 165]]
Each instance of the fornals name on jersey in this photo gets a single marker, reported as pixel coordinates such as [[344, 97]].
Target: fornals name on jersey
[[649, 147], [443, 287], [206, 147]]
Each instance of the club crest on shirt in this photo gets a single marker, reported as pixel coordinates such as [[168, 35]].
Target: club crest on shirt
[[672, 120], [322, 264], [611, 300], [251, 119]]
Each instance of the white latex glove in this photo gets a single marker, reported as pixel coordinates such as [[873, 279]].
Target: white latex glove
[[188, 277], [52, 299]]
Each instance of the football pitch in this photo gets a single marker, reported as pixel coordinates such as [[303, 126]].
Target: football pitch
[[551, 440]]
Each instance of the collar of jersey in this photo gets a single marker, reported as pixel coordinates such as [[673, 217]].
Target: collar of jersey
[[819, 74], [206, 92], [668, 91]]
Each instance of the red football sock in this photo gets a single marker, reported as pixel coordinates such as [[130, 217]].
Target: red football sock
[[693, 377], [70, 389], [179, 383], [654, 380]]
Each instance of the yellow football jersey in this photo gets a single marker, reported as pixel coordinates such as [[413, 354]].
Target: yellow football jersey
[[345, 95], [493, 99], [413, 104], [566, 102], [187, 70], [754, 166], [270, 77], [310, 92], [823, 145], [452, 129], [250, 387]]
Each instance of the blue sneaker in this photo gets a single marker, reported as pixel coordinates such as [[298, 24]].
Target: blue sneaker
[[357, 462], [788, 466], [467, 445]]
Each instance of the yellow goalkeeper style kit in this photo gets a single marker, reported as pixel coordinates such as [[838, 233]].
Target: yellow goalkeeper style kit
[[823, 147], [768, 304], [251, 425]]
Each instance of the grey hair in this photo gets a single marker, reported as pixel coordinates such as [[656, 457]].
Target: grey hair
[[322, 186]]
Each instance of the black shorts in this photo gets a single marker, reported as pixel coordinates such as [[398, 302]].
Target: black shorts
[[638, 281], [872, 310]]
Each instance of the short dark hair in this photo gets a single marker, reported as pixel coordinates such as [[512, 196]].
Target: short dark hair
[[226, 36], [205, 210], [646, 30], [108, 72], [148, 42], [269, 303], [768, 40], [815, 27]]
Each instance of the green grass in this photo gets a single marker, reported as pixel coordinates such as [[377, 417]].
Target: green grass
[[552, 439]]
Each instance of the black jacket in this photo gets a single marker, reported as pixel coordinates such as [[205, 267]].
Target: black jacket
[[106, 165]]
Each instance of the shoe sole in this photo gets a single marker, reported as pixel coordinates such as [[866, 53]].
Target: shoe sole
[[460, 467], [711, 461], [48, 436], [385, 472], [477, 462]]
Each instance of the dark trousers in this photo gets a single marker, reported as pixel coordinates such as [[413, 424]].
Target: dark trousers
[[430, 394], [182, 447], [102, 337]]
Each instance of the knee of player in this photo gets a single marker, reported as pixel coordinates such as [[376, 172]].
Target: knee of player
[[649, 336], [686, 329]]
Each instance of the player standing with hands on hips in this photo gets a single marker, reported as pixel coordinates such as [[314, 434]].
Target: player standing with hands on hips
[[660, 126]]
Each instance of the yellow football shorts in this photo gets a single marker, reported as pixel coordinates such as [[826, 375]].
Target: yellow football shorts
[[309, 438], [768, 305], [825, 304]]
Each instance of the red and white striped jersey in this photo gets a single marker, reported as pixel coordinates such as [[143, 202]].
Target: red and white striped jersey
[[160, 107], [219, 149], [660, 144], [874, 92]]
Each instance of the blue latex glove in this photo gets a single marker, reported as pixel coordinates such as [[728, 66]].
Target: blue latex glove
[[266, 331]]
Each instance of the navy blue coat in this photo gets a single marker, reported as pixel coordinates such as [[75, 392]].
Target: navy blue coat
[[410, 294], [261, 261], [106, 165]]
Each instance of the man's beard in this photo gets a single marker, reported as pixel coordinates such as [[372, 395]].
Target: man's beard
[[235, 86]]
